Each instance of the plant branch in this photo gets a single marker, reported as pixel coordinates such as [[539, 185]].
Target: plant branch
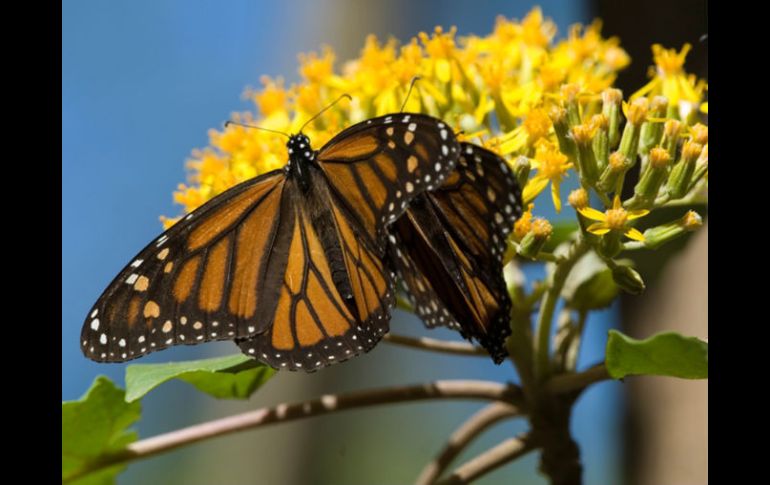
[[462, 436], [436, 345], [491, 459], [327, 404], [564, 383], [555, 284]]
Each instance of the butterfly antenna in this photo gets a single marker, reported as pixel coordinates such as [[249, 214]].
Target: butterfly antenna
[[326, 108], [411, 85], [238, 123]]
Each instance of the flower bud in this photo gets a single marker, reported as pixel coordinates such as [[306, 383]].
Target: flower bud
[[611, 99], [628, 279], [681, 175], [671, 130], [657, 236], [601, 143], [521, 168], [578, 199], [652, 177], [583, 135], [636, 114], [561, 129], [570, 94], [652, 130], [612, 172], [536, 238]]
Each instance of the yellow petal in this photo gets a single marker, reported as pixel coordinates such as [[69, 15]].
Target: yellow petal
[[598, 228], [592, 214], [637, 214], [517, 140], [443, 70], [634, 234], [704, 108], [555, 195], [616, 202], [534, 187]]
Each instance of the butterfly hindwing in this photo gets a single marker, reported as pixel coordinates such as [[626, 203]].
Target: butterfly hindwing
[[448, 249], [378, 166]]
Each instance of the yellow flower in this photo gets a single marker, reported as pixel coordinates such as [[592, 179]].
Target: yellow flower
[[498, 87], [670, 80], [317, 69], [536, 125], [272, 98], [524, 224], [440, 48], [615, 219], [551, 166]]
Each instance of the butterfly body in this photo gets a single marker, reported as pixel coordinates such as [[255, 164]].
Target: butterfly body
[[288, 264]]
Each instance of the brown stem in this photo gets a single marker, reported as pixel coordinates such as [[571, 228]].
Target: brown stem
[[462, 436], [560, 456], [564, 383], [327, 404], [436, 345], [491, 459]]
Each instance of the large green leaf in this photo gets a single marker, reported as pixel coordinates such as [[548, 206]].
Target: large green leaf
[[231, 377], [664, 354], [92, 427]]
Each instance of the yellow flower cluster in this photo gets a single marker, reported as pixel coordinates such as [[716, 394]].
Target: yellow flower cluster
[[507, 91]]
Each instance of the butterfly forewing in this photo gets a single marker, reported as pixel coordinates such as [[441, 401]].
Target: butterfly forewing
[[194, 283], [448, 249], [377, 167]]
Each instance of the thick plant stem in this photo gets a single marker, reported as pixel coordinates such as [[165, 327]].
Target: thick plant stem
[[545, 317], [560, 455]]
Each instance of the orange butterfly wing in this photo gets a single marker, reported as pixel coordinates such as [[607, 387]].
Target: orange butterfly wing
[[448, 249]]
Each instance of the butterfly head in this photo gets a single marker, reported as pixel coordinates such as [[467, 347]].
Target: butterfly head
[[301, 156]]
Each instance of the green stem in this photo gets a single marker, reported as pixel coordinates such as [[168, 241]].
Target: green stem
[[573, 349], [545, 317]]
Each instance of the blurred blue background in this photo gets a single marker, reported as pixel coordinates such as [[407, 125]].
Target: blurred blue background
[[142, 82]]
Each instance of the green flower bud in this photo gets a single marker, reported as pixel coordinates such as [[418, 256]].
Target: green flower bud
[[570, 93], [652, 131], [657, 236], [536, 238], [628, 279], [681, 175], [611, 99], [612, 173], [652, 177], [636, 114], [601, 143], [521, 168], [583, 135], [561, 129], [671, 130]]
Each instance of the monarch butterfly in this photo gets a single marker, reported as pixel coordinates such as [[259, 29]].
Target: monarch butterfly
[[448, 249], [292, 259]]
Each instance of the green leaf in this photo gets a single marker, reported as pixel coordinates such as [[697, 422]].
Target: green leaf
[[231, 377], [590, 285], [93, 427], [664, 354]]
